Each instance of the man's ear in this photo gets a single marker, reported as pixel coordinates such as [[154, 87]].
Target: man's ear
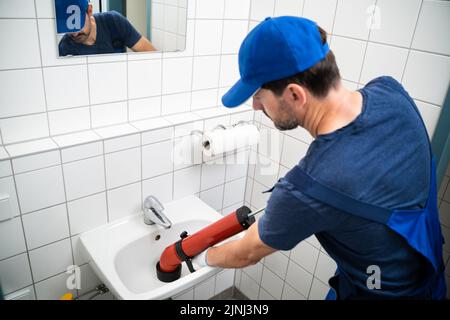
[[90, 9], [295, 95]]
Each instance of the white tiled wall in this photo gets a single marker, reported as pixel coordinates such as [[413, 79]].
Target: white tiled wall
[[405, 42], [59, 194], [66, 178]]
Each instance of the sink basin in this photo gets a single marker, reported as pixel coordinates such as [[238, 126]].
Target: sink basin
[[124, 253]]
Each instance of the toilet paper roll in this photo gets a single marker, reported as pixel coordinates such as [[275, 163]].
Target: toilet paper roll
[[220, 141]]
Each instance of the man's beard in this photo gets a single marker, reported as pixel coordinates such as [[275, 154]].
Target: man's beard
[[288, 121]]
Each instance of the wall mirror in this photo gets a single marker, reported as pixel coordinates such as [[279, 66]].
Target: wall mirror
[[96, 27]]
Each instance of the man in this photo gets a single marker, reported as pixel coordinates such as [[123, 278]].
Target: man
[[369, 163], [107, 32]]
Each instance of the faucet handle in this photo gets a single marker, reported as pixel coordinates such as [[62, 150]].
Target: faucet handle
[[153, 202]]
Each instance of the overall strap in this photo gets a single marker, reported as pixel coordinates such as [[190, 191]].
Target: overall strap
[[314, 189]]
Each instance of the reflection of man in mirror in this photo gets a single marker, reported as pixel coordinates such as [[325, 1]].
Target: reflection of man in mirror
[[105, 32]]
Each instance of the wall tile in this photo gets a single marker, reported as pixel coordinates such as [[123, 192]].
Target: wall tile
[[299, 279], [397, 21], [293, 152], [353, 18], [157, 159], [87, 213], [22, 36], [109, 114], [277, 263], [122, 143], [210, 9], [12, 241], [17, 9], [433, 27], [224, 281], [12, 99], [234, 33], [82, 152], [46, 226], [229, 70], [144, 108], [40, 189], [71, 120], [326, 267], [38, 161], [124, 201], [53, 288], [305, 255], [66, 87], [123, 168], [177, 75], [234, 192], [213, 197], [50, 260], [318, 291], [290, 293], [349, 56], [237, 9], [186, 182], [85, 177], [383, 60], [205, 290], [7, 187], [24, 128], [176, 103], [271, 282], [144, 78], [289, 8], [107, 82], [212, 175], [322, 12], [262, 9], [161, 187], [45, 9], [15, 273], [427, 76], [208, 39], [249, 287], [206, 72], [430, 115], [5, 168]]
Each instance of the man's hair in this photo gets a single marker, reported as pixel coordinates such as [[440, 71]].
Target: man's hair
[[318, 79]]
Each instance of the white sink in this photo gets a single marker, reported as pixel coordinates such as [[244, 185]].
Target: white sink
[[124, 253]]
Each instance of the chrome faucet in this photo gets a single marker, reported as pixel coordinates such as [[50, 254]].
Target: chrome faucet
[[153, 213]]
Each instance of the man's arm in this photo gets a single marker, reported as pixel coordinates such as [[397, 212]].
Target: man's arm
[[143, 45], [239, 253]]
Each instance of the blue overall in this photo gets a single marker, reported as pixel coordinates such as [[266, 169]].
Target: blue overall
[[319, 197], [420, 228]]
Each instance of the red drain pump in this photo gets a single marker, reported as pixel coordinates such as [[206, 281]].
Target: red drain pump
[[168, 268]]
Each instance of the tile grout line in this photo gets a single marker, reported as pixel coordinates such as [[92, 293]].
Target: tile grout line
[[41, 67], [411, 42]]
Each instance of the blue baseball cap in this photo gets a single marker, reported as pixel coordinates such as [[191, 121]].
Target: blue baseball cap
[[70, 15], [275, 49]]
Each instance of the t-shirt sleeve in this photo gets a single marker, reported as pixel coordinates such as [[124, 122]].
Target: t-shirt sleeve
[[126, 30], [289, 220]]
